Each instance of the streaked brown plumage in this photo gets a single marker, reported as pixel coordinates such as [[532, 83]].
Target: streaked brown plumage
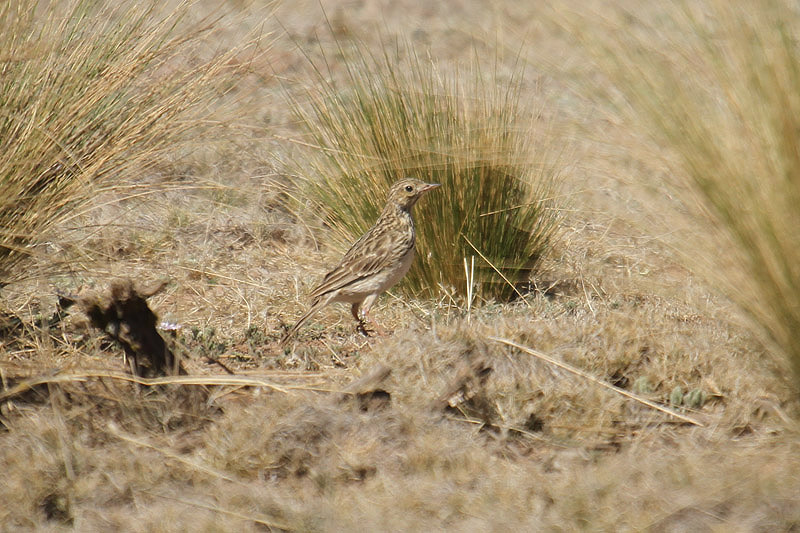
[[377, 261]]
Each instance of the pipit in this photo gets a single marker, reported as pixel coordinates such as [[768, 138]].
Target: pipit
[[378, 260]]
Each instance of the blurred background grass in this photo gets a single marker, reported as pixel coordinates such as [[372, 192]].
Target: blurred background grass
[[718, 90]]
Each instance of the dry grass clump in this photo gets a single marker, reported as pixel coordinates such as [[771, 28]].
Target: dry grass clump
[[717, 86], [397, 113], [93, 94]]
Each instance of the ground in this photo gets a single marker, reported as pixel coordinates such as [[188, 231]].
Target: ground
[[451, 429]]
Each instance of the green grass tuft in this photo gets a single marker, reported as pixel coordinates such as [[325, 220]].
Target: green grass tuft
[[399, 114]]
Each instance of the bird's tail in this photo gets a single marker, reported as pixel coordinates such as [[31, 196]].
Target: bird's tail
[[316, 306]]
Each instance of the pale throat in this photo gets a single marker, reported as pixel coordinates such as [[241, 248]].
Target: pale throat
[[403, 213], [398, 210]]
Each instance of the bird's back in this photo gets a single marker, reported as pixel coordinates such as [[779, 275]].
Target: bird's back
[[385, 251]]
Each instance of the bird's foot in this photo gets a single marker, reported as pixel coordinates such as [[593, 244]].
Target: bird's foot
[[362, 328], [372, 329]]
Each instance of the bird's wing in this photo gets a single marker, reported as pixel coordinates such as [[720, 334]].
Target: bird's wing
[[374, 251]]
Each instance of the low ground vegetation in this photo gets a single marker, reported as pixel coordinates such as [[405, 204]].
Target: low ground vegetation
[[682, 415]]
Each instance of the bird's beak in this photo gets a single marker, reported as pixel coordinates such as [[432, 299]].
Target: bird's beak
[[429, 186]]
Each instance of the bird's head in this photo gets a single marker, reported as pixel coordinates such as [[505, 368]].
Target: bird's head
[[406, 192]]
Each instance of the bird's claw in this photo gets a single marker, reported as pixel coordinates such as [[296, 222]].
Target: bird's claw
[[362, 328]]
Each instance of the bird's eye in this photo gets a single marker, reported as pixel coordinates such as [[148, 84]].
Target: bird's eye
[[409, 188]]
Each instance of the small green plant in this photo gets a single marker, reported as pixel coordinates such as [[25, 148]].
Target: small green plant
[[695, 398], [676, 397], [205, 341], [642, 385], [398, 115]]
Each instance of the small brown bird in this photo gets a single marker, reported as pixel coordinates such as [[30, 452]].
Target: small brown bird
[[377, 261]]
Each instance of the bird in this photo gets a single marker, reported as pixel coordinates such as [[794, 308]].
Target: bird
[[375, 262]]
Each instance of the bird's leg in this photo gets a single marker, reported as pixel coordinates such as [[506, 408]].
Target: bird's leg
[[361, 317], [361, 313]]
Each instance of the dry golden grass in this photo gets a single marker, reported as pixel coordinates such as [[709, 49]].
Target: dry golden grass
[[474, 435], [716, 89], [94, 97]]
